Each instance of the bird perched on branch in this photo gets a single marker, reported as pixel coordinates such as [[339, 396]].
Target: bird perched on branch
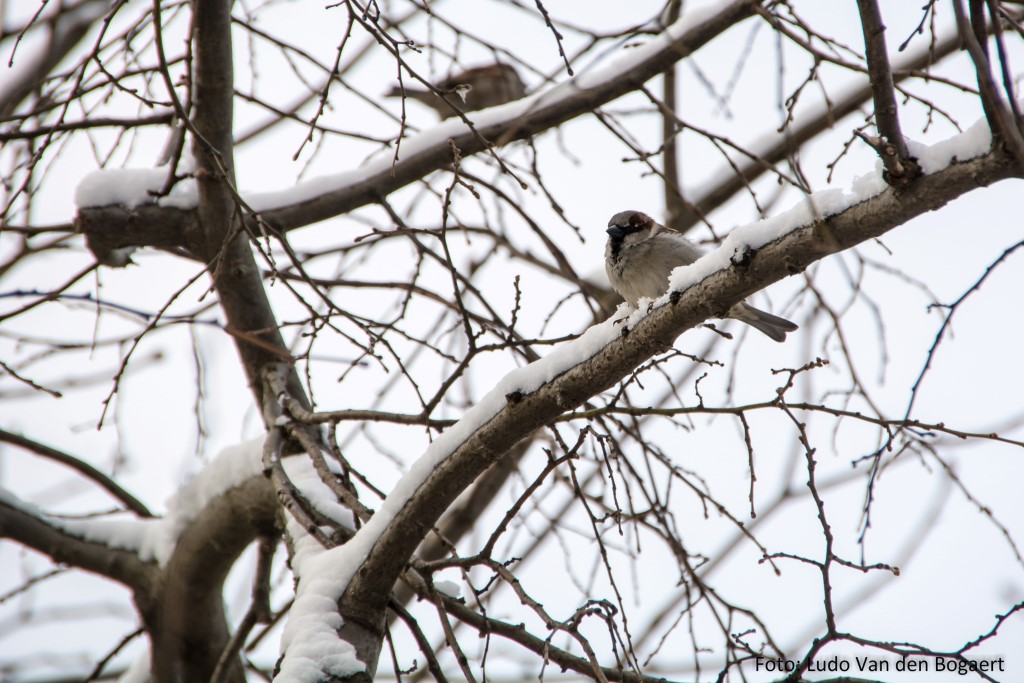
[[641, 254], [477, 88]]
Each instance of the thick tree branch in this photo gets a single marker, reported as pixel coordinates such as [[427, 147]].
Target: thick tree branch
[[221, 240], [187, 624], [892, 147], [186, 619], [109, 228], [366, 596], [545, 114], [64, 547], [565, 102], [182, 602]]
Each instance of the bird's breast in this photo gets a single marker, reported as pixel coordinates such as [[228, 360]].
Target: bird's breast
[[637, 271]]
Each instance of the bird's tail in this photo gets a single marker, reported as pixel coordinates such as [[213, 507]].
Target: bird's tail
[[771, 325]]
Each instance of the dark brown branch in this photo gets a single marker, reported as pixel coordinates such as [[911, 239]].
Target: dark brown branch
[[99, 122], [410, 169], [900, 167], [109, 228], [64, 547], [186, 620], [675, 205], [1002, 122], [87, 470], [221, 242]]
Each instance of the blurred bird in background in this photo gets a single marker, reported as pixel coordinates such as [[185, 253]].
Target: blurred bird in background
[[476, 88]]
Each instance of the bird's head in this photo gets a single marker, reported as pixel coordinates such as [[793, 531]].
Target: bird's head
[[626, 223]]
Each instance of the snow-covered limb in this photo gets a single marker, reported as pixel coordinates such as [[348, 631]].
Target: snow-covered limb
[[970, 144], [114, 219], [133, 550], [132, 187], [310, 642], [154, 539], [26, 524], [186, 620], [365, 569], [175, 566]]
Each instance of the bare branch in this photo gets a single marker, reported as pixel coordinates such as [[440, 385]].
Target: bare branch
[[87, 470], [900, 166]]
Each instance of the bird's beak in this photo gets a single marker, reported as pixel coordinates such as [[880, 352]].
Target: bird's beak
[[616, 233]]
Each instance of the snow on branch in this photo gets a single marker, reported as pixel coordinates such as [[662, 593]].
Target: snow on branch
[[751, 258], [25, 523], [103, 195], [154, 539]]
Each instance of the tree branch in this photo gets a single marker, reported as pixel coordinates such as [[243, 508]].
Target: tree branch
[[186, 618], [87, 470], [366, 596], [1000, 119], [187, 624], [221, 241], [564, 102], [795, 136], [675, 205], [63, 547], [893, 147]]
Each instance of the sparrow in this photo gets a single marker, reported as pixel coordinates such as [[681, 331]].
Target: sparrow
[[476, 88], [641, 254]]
